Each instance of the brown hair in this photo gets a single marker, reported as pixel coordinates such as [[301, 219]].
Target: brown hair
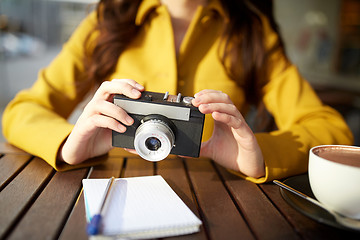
[[243, 41], [116, 25]]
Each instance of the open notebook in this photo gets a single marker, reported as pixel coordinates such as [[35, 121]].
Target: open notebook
[[139, 208]]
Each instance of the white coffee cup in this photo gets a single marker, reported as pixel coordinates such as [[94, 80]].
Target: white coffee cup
[[334, 175]]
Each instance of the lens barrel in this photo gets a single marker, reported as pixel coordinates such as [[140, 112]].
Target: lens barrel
[[154, 139]]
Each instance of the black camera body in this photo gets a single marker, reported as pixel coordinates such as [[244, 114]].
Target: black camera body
[[163, 124]]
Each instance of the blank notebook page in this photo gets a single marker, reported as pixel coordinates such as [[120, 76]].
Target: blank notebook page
[[140, 207]]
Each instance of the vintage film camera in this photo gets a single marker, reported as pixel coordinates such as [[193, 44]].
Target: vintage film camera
[[164, 124]]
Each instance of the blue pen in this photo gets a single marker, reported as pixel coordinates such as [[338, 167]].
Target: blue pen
[[94, 226]]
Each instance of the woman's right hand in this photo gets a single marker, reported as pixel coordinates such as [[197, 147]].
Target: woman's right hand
[[91, 135]]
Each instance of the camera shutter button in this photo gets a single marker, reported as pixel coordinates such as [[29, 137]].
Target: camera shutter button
[[187, 100]]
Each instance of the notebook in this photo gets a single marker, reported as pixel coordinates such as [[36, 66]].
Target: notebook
[[139, 208]]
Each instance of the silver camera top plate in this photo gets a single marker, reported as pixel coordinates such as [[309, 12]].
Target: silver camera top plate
[[144, 108]]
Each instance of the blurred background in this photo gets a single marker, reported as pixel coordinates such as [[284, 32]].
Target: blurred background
[[322, 37]]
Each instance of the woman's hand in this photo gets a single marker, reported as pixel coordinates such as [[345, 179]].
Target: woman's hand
[[232, 144], [91, 135]]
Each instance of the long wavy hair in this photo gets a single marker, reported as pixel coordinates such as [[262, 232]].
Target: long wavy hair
[[242, 38]]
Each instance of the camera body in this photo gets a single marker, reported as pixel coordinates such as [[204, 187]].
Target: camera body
[[163, 124]]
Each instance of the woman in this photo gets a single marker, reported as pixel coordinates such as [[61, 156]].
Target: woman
[[187, 46]]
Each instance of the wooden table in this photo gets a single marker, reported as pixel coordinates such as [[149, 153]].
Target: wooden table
[[37, 202]]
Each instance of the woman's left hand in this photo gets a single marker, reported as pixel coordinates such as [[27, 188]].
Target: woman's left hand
[[232, 144]]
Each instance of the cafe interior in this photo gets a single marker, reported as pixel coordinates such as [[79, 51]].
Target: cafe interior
[[321, 37]]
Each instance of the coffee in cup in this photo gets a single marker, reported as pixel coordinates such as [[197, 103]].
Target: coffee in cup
[[334, 175]]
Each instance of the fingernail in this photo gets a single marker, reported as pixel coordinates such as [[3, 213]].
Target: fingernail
[[129, 120], [138, 86], [135, 91], [121, 128], [198, 94]]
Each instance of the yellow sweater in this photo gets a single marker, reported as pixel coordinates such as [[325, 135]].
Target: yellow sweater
[[36, 119]]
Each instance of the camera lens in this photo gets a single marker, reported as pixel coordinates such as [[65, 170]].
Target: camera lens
[[153, 143], [154, 139]]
